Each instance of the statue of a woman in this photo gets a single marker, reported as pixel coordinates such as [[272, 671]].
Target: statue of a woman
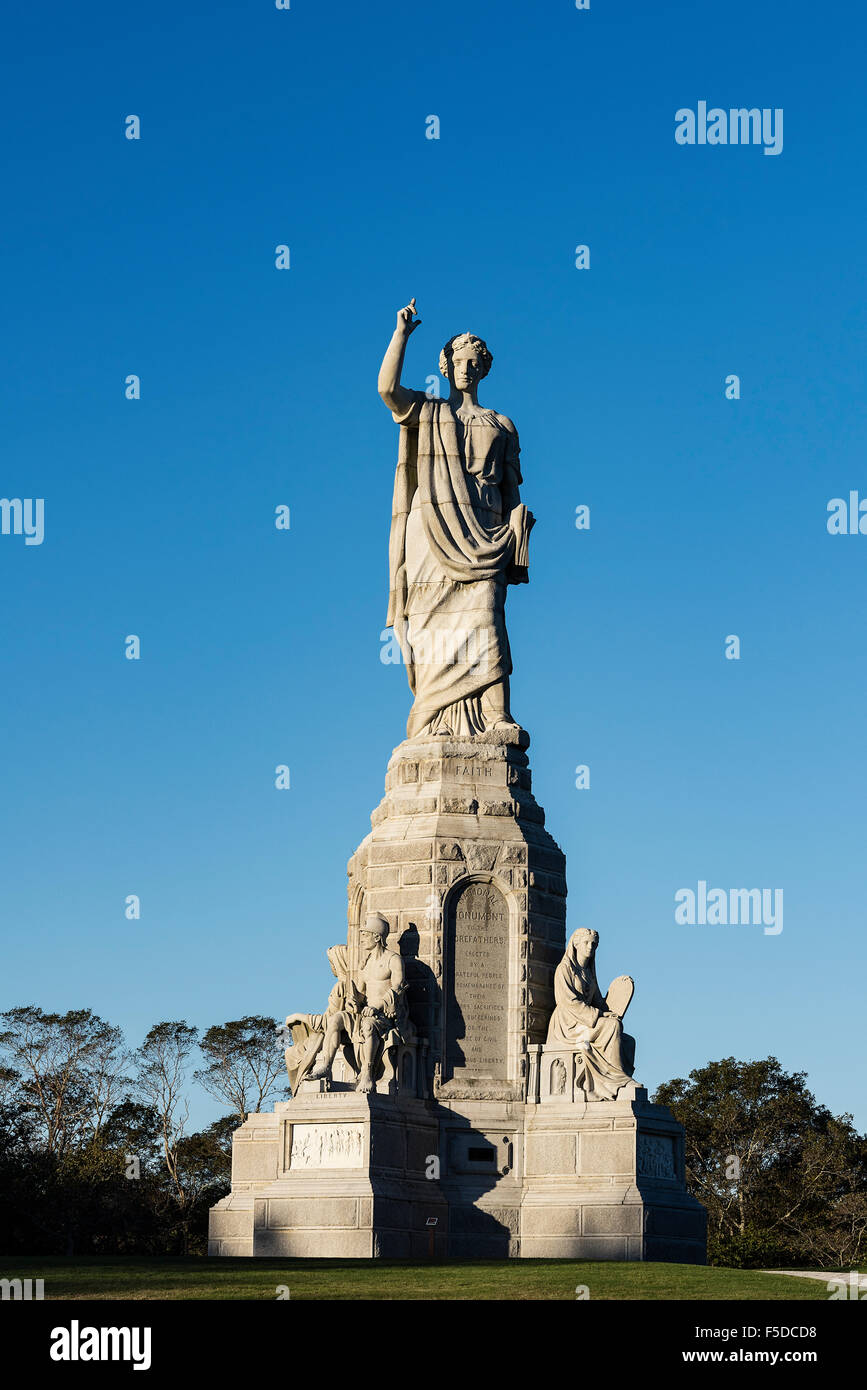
[[458, 537], [583, 1020]]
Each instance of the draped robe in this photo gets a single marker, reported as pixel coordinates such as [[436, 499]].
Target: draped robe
[[308, 1034], [458, 537], [608, 1053]]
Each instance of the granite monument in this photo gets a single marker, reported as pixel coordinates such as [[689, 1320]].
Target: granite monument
[[468, 1090]]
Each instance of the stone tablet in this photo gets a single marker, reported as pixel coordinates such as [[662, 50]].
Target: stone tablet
[[478, 982]]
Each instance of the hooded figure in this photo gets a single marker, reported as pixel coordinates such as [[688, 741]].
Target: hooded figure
[[582, 1019]]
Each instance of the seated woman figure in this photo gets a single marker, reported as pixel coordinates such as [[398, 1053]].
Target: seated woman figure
[[583, 1020]]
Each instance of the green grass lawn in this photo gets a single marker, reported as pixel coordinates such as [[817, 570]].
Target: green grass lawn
[[116, 1277]]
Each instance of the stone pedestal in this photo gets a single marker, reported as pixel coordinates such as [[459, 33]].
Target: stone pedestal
[[605, 1181], [481, 1129], [338, 1175], [333, 1174], [459, 860]]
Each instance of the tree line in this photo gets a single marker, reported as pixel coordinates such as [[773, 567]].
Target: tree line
[[783, 1180], [97, 1155]]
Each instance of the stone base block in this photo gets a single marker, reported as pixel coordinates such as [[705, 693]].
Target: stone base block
[[605, 1181], [333, 1174], [345, 1176]]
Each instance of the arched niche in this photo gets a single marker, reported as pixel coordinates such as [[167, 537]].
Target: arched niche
[[477, 977]]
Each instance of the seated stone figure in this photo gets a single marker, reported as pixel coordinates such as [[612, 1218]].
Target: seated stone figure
[[373, 1014], [308, 1030], [585, 1022]]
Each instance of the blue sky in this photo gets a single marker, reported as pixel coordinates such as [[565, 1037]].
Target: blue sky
[[708, 516]]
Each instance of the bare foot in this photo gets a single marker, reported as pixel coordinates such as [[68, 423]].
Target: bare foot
[[364, 1083]]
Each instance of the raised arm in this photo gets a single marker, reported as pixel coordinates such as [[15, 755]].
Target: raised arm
[[396, 397]]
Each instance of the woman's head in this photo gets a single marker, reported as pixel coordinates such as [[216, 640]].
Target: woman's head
[[583, 943], [465, 360]]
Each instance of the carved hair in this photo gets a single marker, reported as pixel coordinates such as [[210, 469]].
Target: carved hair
[[464, 340], [585, 931]]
